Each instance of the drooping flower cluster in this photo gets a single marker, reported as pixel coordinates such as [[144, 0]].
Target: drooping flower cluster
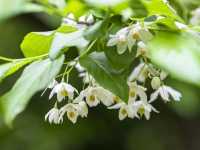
[[139, 102]]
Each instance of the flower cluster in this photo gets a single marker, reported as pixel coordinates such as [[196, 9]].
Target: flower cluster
[[127, 37], [139, 102], [137, 106]]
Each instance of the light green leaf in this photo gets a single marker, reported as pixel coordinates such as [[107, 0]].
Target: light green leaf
[[178, 53], [10, 68], [34, 78], [39, 43], [36, 43], [99, 67], [160, 7], [64, 40]]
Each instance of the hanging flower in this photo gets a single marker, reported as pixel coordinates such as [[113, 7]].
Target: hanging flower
[[72, 112], [105, 96], [125, 110], [144, 108], [121, 40], [89, 95], [63, 90], [53, 116], [165, 92], [139, 32], [136, 91], [139, 73]]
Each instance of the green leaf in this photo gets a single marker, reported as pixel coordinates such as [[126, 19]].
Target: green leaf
[[64, 40], [9, 8], [36, 43], [178, 53], [10, 68], [126, 59], [160, 7], [35, 77], [99, 67], [39, 43]]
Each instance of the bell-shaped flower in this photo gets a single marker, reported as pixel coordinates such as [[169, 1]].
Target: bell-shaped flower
[[136, 91], [120, 39], [125, 110], [139, 73], [139, 32], [53, 116], [144, 108], [63, 90], [89, 95], [72, 112], [105, 96], [165, 92], [82, 109]]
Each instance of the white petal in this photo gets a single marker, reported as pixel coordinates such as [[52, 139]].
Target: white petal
[[136, 72], [113, 41], [123, 113], [145, 35], [175, 94], [117, 106], [154, 96], [60, 97], [164, 93], [130, 42], [52, 93]]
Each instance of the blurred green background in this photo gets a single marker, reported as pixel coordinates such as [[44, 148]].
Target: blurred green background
[[177, 127]]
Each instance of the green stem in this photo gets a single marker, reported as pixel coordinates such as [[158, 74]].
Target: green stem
[[21, 59]]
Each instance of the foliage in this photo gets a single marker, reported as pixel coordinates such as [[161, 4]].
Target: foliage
[[171, 40]]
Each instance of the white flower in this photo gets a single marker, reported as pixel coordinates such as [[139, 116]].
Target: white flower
[[125, 110], [144, 108], [87, 19], [82, 109], [141, 49], [135, 91], [155, 83], [139, 32], [72, 112], [89, 95], [165, 92], [105, 96], [79, 67], [70, 20], [90, 19], [63, 90], [120, 39], [53, 116], [139, 73]]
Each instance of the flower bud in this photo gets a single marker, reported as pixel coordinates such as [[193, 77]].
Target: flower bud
[[155, 83]]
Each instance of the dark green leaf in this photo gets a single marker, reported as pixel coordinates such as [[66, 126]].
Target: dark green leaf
[[99, 67]]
